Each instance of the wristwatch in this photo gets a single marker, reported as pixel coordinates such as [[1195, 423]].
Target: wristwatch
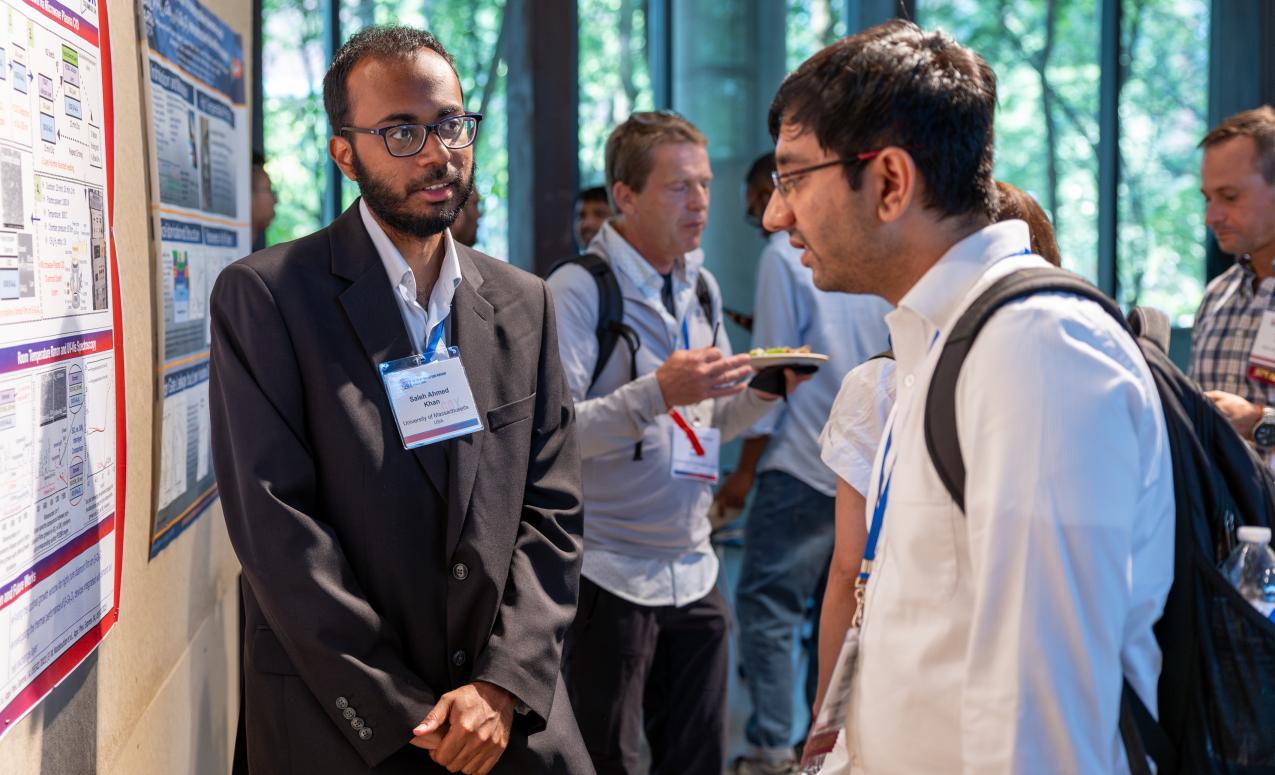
[[1264, 431]]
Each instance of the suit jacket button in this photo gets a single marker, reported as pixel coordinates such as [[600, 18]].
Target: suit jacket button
[[458, 658], [342, 703], [460, 571], [348, 713], [365, 733], [357, 723]]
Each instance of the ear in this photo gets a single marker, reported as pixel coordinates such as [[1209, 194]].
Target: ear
[[623, 197], [897, 182], [342, 153]]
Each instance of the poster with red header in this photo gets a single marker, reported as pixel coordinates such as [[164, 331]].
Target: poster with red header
[[62, 426]]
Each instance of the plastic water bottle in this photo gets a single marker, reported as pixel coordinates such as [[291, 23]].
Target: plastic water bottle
[[1251, 568]]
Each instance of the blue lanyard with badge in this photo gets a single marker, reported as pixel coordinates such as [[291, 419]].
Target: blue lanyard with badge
[[429, 394], [696, 450]]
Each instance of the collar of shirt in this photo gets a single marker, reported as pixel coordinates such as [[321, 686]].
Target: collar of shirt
[[628, 262], [419, 321], [936, 297]]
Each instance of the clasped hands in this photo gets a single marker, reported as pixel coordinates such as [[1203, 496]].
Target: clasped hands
[[468, 729]]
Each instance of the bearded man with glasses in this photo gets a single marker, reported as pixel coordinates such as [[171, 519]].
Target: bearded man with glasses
[[402, 614]]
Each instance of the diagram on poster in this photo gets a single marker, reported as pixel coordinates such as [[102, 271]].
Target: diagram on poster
[[200, 193], [61, 419]]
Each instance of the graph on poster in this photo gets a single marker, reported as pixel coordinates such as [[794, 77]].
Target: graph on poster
[[61, 421]]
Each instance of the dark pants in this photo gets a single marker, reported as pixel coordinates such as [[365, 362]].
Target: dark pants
[[661, 668]]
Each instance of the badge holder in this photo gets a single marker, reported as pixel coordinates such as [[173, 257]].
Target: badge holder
[[430, 397]]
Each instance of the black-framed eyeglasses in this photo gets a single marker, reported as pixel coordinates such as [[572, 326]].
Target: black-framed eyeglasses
[[784, 181], [454, 132]]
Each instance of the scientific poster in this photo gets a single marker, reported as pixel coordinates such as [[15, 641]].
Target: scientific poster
[[61, 365], [200, 191]]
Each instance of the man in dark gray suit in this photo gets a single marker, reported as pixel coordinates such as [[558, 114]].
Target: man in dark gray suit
[[403, 613]]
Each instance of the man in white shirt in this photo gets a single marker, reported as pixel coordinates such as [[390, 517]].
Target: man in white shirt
[[648, 649], [994, 640]]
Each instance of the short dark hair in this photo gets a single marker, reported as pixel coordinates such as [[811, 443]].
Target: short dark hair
[[377, 42], [1258, 124], [895, 84], [760, 170], [593, 194]]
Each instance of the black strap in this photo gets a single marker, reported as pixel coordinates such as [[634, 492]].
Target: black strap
[[1143, 735], [610, 327], [705, 297], [940, 402], [1153, 325]]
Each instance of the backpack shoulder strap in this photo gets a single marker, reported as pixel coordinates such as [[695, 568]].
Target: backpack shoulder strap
[[610, 327], [940, 401], [1151, 324], [705, 297]]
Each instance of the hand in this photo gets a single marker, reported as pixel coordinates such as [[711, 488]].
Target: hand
[[473, 723], [1240, 413], [690, 376], [730, 498], [791, 380]]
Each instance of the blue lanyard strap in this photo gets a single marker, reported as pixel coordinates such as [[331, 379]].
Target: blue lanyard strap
[[878, 511], [435, 338], [686, 335]]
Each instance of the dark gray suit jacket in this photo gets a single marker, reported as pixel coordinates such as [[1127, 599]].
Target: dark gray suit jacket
[[376, 578]]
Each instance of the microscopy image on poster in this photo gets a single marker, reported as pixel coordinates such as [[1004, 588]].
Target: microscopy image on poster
[[199, 146], [61, 418]]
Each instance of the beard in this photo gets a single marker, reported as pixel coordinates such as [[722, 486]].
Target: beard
[[392, 208]]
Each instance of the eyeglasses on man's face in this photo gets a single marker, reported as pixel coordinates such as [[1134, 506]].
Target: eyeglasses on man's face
[[454, 132], [785, 182]]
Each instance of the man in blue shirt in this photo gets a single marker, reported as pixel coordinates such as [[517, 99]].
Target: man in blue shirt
[[789, 533]]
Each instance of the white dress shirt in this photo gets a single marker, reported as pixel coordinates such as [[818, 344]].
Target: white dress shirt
[[995, 641], [420, 322], [790, 311], [646, 534]]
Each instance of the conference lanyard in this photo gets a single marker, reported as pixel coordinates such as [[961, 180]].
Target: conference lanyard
[[435, 338]]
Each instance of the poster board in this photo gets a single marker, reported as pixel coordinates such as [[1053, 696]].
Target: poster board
[[62, 441], [198, 152]]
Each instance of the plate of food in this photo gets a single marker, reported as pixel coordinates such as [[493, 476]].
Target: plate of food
[[766, 357]]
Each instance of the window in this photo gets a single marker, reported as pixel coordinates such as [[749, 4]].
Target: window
[[296, 129], [1046, 57], [614, 79], [812, 24], [1163, 116]]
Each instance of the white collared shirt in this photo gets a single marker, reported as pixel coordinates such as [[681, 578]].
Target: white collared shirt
[[420, 322], [995, 640]]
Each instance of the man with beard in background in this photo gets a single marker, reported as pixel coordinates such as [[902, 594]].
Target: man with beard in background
[[402, 613]]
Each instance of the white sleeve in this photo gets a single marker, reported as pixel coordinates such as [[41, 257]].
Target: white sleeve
[[848, 444], [776, 320], [1054, 422]]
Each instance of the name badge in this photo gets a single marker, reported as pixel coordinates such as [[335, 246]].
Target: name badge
[[1261, 361], [430, 398], [696, 451]]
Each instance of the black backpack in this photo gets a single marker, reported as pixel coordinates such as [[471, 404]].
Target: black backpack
[[611, 327], [1216, 692]]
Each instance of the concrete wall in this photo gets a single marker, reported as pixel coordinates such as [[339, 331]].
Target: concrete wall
[[160, 695]]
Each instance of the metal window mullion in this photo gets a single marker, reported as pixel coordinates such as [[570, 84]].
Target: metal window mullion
[[1109, 147], [332, 42]]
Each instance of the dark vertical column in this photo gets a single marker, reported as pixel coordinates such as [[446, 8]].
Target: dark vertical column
[[543, 98], [1109, 146], [258, 100], [1237, 31], [659, 48], [332, 42]]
